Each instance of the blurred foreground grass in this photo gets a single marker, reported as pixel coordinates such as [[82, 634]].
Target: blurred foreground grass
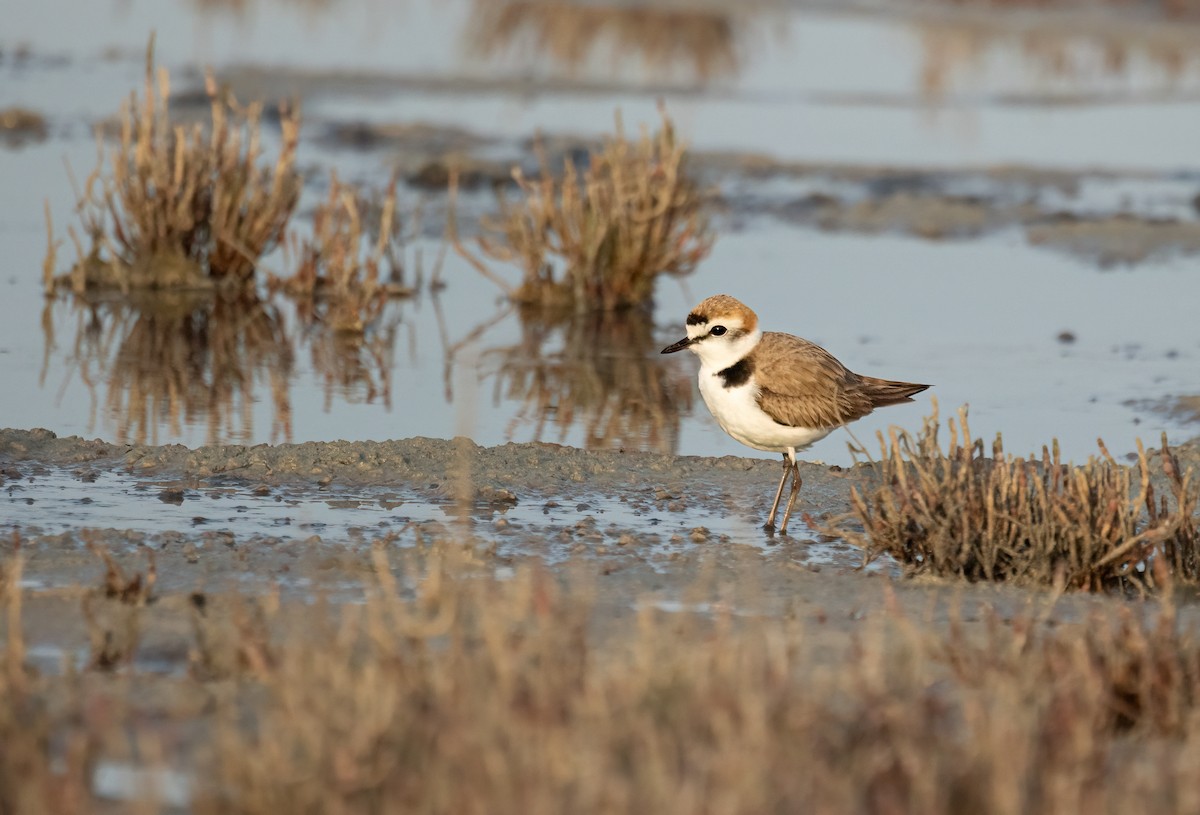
[[449, 690]]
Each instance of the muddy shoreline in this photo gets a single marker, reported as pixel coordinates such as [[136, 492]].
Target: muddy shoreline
[[648, 525]]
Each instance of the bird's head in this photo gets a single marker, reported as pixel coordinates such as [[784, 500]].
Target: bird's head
[[721, 330]]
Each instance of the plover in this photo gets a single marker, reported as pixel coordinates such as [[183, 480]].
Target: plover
[[776, 392]]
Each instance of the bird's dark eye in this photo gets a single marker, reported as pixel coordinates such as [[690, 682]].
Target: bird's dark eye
[[717, 330]]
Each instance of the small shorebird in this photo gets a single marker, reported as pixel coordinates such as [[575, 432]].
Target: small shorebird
[[776, 392]]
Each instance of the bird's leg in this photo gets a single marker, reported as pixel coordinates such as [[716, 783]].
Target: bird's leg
[[769, 526], [796, 482]]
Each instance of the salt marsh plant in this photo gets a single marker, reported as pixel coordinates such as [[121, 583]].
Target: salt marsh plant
[[597, 237], [664, 37], [477, 695], [450, 689], [34, 777], [1099, 526], [347, 269], [182, 206]]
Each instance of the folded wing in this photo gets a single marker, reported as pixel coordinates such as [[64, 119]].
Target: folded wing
[[807, 387]]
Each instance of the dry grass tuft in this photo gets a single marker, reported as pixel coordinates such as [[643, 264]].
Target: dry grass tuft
[[48, 741], [472, 695], [598, 237], [1064, 48], [1096, 527], [174, 206], [702, 39], [334, 282], [113, 611], [450, 691]]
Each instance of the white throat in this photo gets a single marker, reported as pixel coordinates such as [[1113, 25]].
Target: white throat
[[718, 353]]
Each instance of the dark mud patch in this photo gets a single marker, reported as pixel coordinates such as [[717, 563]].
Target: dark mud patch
[[1105, 217], [1122, 239], [514, 502], [1108, 219], [1184, 408]]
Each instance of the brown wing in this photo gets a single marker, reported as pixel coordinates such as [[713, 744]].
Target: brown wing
[[810, 388]]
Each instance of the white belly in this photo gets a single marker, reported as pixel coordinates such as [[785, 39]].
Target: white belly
[[738, 413]]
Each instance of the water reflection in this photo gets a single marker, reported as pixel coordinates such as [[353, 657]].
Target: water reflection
[[600, 373], [160, 367], [159, 362], [954, 50], [356, 367]]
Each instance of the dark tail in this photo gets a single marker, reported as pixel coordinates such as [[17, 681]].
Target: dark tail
[[884, 392]]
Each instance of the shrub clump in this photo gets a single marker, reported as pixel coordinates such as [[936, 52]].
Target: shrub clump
[[597, 237], [182, 206], [1096, 527], [335, 281]]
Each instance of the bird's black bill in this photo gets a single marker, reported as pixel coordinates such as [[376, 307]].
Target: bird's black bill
[[677, 346]]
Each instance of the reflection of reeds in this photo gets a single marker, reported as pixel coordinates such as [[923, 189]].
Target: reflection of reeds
[[356, 367], [603, 378], [1056, 51], [956, 513], [597, 238], [173, 359], [183, 207], [662, 38]]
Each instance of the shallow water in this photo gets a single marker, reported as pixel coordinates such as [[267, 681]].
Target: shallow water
[[978, 318], [52, 501]]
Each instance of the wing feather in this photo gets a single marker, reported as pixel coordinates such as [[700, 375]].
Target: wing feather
[[808, 387]]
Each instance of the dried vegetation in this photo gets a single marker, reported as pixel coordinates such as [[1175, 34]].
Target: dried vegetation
[[346, 271], [702, 39], [1067, 47], [596, 238], [448, 690], [175, 206], [1097, 527]]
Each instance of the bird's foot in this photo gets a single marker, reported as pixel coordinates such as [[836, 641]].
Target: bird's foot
[[769, 527]]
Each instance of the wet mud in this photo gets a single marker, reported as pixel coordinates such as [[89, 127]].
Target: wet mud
[[304, 519]]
